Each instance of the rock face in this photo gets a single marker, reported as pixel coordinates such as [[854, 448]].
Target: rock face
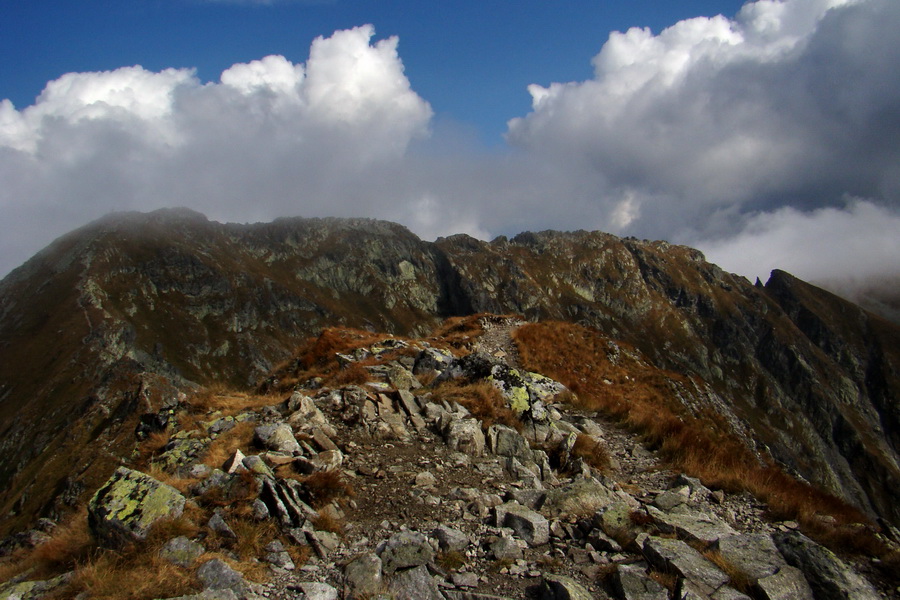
[[125, 508], [137, 306]]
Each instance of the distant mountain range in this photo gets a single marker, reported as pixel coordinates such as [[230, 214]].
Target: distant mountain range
[[121, 316]]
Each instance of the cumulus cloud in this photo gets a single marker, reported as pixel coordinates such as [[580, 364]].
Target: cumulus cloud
[[722, 127], [744, 136], [858, 242]]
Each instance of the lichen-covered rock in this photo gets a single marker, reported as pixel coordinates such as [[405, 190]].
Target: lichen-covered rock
[[465, 435], [633, 583], [560, 587], [829, 577], [787, 584], [506, 441], [450, 539], [414, 584], [691, 523], [278, 437], [215, 574], [32, 590], [181, 551], [405, 549], [313, 590], [580, 496], [180, 451], [128, 504], [529, 525], [362, 577], [675, 556], [522, 389]]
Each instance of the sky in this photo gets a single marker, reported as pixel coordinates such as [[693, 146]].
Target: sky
[[766, 134]]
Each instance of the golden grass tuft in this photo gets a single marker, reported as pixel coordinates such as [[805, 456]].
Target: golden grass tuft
[[70, 543], [252, 536], [325, 487], [591, 451], [135, 576], [737, 577], [667, 580], [353, 374], [239, 437], [151, 446], [228, 401], [134, 572], [450, 560], [328, 521], [480, 398], [178, 482]]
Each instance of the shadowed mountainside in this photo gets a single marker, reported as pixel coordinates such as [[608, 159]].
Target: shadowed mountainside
[[119, 317]]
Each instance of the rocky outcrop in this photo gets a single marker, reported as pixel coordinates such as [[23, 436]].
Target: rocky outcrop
[[408, 515]]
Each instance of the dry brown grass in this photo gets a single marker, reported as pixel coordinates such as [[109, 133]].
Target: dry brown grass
[[134, 572], [459, 331], [317, 357], [228, 401], [70, 543], [450, 560], [299, 554], [325, 487], [328, 521], [252, 536], [176, 481], [135, 576], [481, 399], [737, 577], [151, 446], [239, 437], [641, 398], [353, 374], [243, 489], [591, 452], [667, 580]]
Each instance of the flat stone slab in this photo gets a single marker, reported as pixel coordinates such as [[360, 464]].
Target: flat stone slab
[[677, 556], [529, 525], [691, 523], [787, 584], [560, 587], [414, 584], [633, 583], [403, 550], [755, 554]]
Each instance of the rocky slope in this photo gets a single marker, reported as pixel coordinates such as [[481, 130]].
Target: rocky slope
[[114, 318], [370, 480]]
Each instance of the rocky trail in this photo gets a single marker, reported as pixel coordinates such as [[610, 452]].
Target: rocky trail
[[386, 489]]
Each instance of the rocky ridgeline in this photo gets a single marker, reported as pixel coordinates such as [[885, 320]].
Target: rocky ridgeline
[[447, 507]]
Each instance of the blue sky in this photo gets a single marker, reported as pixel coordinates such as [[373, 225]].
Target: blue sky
[[765, 133], [472, 60]]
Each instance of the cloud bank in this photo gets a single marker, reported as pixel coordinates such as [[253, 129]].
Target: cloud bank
[[769, 140]]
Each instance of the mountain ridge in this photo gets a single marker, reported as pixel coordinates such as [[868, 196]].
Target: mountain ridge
[[173, 296]]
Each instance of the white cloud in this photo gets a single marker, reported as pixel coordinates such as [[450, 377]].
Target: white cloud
[[856, 243], [792, 102]]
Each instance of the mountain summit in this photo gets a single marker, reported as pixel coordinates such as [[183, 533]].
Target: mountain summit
[[122, 316]]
